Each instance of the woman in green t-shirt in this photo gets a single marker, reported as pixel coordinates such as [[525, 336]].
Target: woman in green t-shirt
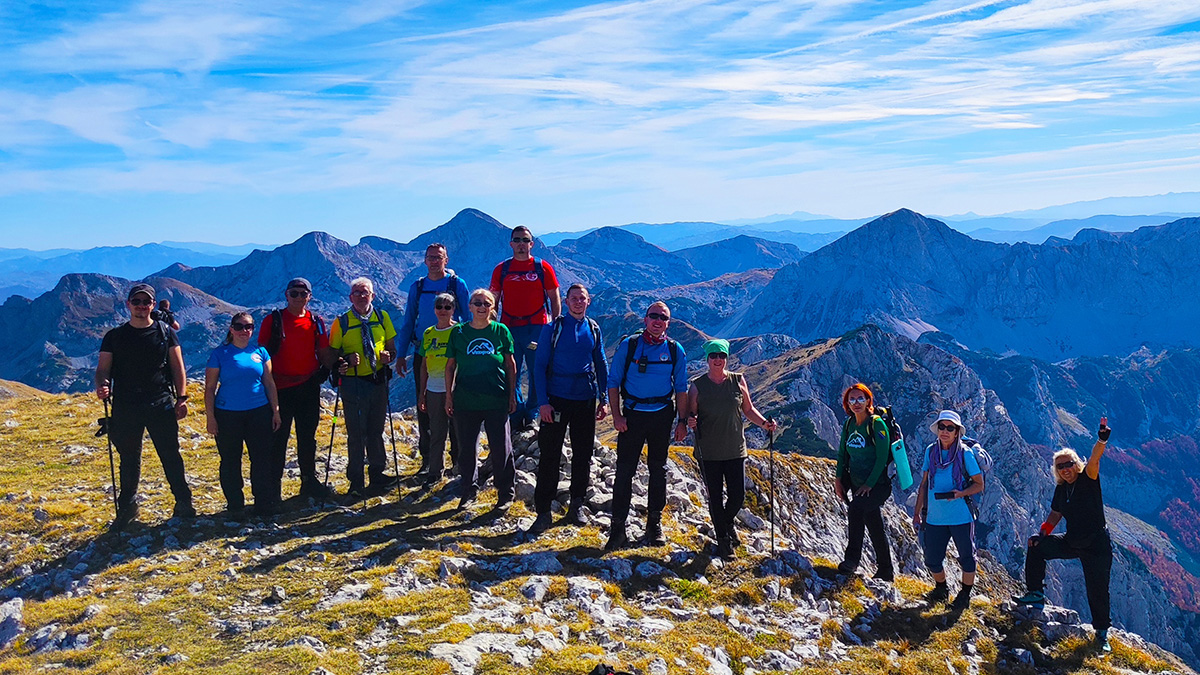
[[481, 390], [862, 480]]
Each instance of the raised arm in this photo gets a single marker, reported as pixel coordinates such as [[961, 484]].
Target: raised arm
[[1093, 464]]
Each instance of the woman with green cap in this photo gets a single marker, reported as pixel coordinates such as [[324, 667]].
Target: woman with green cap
[[716, 401]]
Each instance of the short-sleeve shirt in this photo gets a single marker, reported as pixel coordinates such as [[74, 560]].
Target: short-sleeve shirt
[[522, 299], [296, 360], [1082, 504], [138, 354], [432, 350], [239, 383], [948, 511], [381, 331], [480, 382]]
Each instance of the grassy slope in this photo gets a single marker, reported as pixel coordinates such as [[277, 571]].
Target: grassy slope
[[170, 600]]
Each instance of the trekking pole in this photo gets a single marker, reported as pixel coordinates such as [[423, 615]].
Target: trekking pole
[[392, 428], [771, 451], [337, 397], [112, 466]]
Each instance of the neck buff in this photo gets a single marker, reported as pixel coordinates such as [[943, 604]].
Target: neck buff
[[364, 329]]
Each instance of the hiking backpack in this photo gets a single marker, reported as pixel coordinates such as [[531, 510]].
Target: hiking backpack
[[897, 462], [630, 346], [982, 457], [538, 269], [556, 332], [451, 288], [278, 334]]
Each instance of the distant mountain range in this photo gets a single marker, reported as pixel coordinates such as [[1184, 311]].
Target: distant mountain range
[[1031, 342], [30, 273]]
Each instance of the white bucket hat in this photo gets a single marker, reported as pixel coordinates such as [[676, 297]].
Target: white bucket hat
[[948, 416]]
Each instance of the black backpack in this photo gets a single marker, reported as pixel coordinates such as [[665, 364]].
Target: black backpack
[[451, 288], [277, 336], [540, 271], [643, 363]]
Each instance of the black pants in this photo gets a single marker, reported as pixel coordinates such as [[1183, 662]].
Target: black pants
[[652, 429], [126, 429], [425, 424], [725, 475], [504, 471], [365, 409], [580, 416], [1097, 568], [251, 428], [865, 514], [302, 404]]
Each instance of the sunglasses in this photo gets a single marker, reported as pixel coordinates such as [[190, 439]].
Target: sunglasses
[[480, 303], [237, 325], [297, 293], [856, 400], [946, 427], [718, 355], [138, 302], [1064, 465], [445, 307], [521, 240], [362, 294], [657, 316]]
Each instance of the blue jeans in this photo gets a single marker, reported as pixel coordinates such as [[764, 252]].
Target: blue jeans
[[522, 336]]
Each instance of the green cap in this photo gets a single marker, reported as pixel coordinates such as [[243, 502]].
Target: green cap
[[716, 346]]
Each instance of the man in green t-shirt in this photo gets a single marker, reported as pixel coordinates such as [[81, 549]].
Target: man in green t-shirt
[[363, 358]]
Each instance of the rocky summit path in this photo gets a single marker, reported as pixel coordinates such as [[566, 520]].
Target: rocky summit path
[[412, 584]]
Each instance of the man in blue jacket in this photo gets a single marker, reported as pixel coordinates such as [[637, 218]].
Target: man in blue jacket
[[647, 386], [570, 375], [418, 315]]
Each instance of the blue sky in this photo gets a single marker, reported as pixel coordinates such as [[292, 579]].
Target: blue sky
[[126, 122]]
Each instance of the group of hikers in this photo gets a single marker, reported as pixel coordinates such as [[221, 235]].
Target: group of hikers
[[470, 350]]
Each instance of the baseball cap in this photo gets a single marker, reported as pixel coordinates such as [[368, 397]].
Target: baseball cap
[[299, 282], [140, 288]]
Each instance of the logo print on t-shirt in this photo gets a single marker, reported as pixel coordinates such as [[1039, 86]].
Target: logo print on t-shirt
[[856, 440], [527, 276], [256, 357], [481, 346]]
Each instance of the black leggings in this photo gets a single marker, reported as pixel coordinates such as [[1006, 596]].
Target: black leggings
[[580, 418], [728, 475], [1097, 560], [253, 428], [865, 514]]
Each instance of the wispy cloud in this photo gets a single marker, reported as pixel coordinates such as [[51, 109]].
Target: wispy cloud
[[622, 105]]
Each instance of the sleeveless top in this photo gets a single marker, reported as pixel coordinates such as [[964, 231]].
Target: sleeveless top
[[719, 429]]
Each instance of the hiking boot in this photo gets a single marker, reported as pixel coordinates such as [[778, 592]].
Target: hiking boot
[[724, 548], [541, 523], [382, 482], [940, 593], [884, 575], [311, 487], [962, 600], [183, 510], [617, 539], [125, 515], [1032, 599], [734, 540], [267, 510], [1101, 641], [574, 515], [503, 502], [654, 534], [467, 500], [846, 568], [355, 494]]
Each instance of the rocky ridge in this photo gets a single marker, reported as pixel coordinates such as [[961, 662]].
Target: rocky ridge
[[415, 586]]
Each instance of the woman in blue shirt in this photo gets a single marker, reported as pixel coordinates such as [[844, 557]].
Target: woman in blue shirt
[[242, 408], [950, 475]]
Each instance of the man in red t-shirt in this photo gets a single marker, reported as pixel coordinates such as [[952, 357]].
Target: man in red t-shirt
[[299, 346], [524, 286]]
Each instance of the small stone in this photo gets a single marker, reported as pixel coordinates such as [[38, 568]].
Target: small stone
[[41, 515], [658, 666], [12, 621], [92, 611], [308, 642], [176, 658], [535, 588], [276, 596]]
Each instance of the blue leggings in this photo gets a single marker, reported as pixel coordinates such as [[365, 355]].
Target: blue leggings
[[937, 540]]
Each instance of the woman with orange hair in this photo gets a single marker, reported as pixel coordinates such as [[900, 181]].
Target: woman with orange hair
[[862, 480]]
